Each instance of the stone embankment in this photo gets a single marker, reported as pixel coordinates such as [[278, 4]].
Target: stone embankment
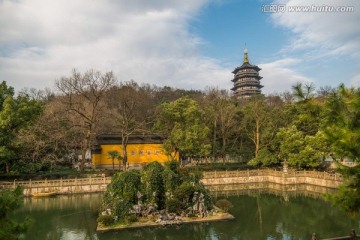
[[99, 184], [61, 186], [322, 179]]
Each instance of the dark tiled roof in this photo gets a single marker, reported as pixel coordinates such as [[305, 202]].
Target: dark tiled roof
[[246, 65], [115, 138]]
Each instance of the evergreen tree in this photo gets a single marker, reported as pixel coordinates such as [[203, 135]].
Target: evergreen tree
[[10, 201], [342, 129]]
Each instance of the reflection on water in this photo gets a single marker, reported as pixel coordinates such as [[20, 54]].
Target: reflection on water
[[285, 191], [260, 214], [60, 202], [62, 217]]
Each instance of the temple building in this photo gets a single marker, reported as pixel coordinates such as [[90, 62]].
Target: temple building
[[141, 150], [246, 79]]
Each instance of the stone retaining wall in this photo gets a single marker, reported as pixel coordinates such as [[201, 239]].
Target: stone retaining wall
[[62, 186], [99, 184], [323, 179]]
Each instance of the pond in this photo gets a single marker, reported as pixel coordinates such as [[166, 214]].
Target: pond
[[259, 215]]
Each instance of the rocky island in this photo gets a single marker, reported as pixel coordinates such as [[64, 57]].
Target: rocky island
[[157, 196]]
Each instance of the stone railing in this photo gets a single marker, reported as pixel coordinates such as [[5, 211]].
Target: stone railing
[[323, 179], [99, 184], [61, 186]]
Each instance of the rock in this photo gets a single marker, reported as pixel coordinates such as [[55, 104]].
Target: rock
[[171, 216]]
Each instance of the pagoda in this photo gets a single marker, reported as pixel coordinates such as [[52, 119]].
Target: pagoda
[[246, 79]]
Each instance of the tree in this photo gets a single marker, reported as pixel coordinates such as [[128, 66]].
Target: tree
[[342, 124], [153, 184], [129, 104], [5, 92], [306, 116], [259, 123], [301, 150], [83, 97], [10, 201], [113, 155], [304, 92], [16, 114], [121, 193], [264, 158], [221, 112], [182, 124], [171, 175], [49, 142], [342, 129], [307, 113]]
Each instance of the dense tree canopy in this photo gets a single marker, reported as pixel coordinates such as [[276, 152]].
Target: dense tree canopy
[[342, 129], [182, 123], [40, 131], [16, 114], [83, 100]]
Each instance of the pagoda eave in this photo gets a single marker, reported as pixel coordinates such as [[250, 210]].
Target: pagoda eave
[[257, 77], [246, 65]]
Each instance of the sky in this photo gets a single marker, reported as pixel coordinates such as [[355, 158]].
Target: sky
[[189, 44]]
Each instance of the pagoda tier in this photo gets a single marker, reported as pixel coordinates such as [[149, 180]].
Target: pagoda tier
[[246, 79]]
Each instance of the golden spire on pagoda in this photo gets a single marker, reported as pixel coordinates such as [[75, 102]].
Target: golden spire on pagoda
[[246, 58]]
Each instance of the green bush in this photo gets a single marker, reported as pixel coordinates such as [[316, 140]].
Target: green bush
[[184, 193], [224, 204], [191, 175], [131, 218], [124, 185], [171, 180], [121, 207], [152, 181], [174, 206], [106, 220], [173, 165]]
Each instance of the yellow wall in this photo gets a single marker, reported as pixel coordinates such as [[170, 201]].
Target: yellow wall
[[137, 154]]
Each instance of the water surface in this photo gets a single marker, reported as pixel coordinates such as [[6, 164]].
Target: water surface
[[259, 215]]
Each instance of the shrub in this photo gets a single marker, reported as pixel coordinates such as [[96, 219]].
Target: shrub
[[152, 181], [171, 180], [131, 218], [124, 185], [184, 193], [106, 220], [224, 204], [174, 206], [173, 166], [121, 207]]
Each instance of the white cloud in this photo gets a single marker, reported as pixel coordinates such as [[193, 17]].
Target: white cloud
[[324, 32], [42, 40], [355, 81], [278, 76]]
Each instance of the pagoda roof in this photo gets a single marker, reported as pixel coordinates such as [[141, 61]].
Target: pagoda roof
[[252, 83], [251, 76], [258, 87], [246, 65]]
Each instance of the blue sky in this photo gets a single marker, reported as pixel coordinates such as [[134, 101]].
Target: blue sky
[[227, 26], [190, 44]]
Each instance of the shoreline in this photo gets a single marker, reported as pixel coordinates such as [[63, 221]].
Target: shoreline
[[222, 216]]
